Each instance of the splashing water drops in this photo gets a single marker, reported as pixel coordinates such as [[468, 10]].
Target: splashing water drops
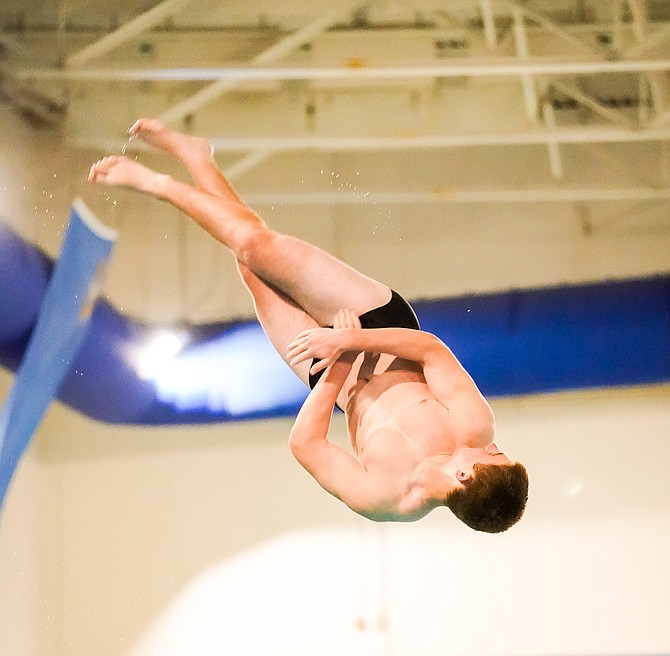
[[130, 138]]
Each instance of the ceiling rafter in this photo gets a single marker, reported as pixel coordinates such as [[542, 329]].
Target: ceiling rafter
[[553, 194], [38, 106], [488, 19], [531, 99], [129, 30], [523, 53], [465, 68], [555, 29], [272, 54], [587, 101], [527, 53], [552, 144], [639, 14], [269, 56], [539, 136]]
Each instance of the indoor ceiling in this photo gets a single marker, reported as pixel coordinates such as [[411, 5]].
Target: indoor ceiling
[[265, 78]]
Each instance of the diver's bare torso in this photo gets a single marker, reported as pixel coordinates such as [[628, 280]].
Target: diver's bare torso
[[396, 425]]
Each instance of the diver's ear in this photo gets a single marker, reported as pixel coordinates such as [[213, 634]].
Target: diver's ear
[[463, 476]]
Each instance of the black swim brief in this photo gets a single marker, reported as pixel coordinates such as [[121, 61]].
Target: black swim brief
[[397, 313]]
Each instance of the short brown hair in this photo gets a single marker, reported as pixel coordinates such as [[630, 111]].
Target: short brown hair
[[495, 498]]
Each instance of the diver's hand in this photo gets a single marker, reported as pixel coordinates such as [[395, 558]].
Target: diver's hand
[[326, 344], [346, 319]]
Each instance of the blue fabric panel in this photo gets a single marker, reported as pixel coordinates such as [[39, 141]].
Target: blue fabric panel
[[59, 330], [516, 342], [24, 276], [585, 336], [227, 372], [520, 342]]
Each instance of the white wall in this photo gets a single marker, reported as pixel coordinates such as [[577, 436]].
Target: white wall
[[25, 594], [150, 532]]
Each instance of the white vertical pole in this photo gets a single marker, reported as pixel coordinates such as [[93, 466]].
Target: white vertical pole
[[529, 93], [489, 24]]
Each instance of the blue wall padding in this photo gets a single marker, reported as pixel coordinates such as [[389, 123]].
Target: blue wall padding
[[59, 330], [516, 342], [115, 393], [525, 342], [24, 276]]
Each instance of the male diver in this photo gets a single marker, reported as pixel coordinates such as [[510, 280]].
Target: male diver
[[421, 432]]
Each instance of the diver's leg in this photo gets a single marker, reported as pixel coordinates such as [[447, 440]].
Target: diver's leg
[[315, 280], [196, 153], [279, 316]]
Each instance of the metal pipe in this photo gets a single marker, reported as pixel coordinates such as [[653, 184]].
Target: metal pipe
[[500, 67], [343, 143], [569, 194]]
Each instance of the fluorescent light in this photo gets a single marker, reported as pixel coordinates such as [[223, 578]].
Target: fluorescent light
[[153, 355]]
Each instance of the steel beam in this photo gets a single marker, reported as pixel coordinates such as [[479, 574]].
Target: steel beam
[[521, 43], [140, 24], [489, 24], [341, 143], [638, 11], [558, 194], [272, 54], [552, 144], [499, 67], [586, 100], [555, 29]]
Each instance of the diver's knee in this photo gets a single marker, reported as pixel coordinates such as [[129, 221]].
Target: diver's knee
[[256, 245]]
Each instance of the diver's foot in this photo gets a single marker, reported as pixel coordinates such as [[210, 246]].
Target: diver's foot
[[195, 153], [120, 171], [184, 147]]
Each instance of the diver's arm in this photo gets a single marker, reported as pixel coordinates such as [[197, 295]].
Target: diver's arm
[[336, 470]]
